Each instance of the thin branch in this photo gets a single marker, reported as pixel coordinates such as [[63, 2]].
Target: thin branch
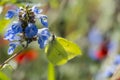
[[13, 56]]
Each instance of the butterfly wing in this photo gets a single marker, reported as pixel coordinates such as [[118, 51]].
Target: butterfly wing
[[71, 48], [56, 54]]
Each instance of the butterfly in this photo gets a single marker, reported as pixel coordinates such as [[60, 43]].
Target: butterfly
[[60, 50]]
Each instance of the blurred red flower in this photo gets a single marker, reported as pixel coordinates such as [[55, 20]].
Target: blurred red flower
[[103, 50], [26, 56]]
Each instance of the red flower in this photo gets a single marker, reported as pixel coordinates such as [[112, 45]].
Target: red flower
[[103, 50], [26, 56]]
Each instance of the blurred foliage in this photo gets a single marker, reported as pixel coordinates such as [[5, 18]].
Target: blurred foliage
[[71, 19], [3, 76], [3, 23], [2, 2]]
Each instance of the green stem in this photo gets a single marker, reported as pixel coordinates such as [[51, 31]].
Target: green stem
[[13, 56], [51, 71]]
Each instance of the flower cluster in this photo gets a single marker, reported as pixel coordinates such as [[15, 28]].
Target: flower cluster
[[25, 28]]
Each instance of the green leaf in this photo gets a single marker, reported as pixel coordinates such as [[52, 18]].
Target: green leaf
[[3, 76], [71, 48], [56, 53]]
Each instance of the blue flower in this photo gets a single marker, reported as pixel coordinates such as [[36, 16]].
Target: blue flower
[[10, 14], [12, 37], [12, 47], [109, 71], [16, 27], [17, 10], [18, 32], [109, 74], [31, 30], [95, 36], [43, 36], [43, 20], [36, 10], [41, 43], [117, 60], [13, 31], [92, 54]]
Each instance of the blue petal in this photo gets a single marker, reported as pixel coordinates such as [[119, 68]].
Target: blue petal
[[16, 27], [44, 21], [15, 38], [12, 47], [12, 37], [41, 43], [92, 54], [117, 60], [43, 31], [8, 35], [43, 35], [95, 36], [31, 30], [109, 71], [17, 11], [10, 14], [12, 32], [36, 10], [109, 74]]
